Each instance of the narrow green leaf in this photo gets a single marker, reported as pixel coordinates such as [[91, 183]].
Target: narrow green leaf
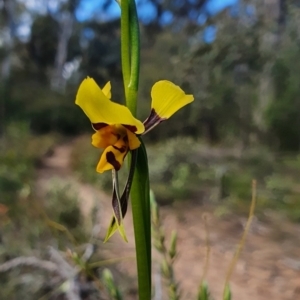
[[135, 45], [125, 44], [140, 199], [134, 33]]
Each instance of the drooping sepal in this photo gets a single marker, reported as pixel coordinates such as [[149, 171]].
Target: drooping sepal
[[116, 222], [113, 227], [120, 205]]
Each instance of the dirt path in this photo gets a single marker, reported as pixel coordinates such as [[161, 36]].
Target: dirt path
[[269, 267]]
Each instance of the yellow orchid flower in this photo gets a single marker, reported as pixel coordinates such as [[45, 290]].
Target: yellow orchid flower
[[116, 129], [117, 132]]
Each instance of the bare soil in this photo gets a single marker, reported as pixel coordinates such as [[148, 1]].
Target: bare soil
[[268, 268]]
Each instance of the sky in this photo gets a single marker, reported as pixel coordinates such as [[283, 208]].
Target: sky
[[146, 10], [88, 9]]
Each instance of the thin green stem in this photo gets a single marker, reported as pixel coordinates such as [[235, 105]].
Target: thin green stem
[[131, 102], [140, 191], [135, 46], [131, 99], [140, 204], [125, 45]]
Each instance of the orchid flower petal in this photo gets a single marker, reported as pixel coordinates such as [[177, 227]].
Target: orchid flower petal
[[99, 109], [104, 137], [168, 98], [113, 157], [133, 140], [107, 90]]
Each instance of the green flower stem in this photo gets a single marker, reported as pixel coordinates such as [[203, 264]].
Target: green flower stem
[[125, 44], [135, 46], [140, 191], [131, 102], [130, 52], [140, 204]]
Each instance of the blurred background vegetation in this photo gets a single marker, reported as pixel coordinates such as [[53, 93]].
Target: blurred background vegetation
[[241, 63]]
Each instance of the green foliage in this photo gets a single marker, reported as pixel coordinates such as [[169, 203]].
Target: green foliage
[[101, 60], [223, 76], [174, 163], [23, 227], [19, 154], [27, 221], [62, 205], [283, 113], [43, 41], [203, 293], [282, 187], [47, 111]]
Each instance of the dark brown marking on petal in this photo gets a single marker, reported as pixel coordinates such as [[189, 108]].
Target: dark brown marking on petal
[[110, 157], [98, 126], [122, 149], [125, 139], [153, 120], [131, 128]]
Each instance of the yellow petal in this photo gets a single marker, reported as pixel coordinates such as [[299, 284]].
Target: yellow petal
[[133, 140], [105, 137], [99, 109], [113, 157], [107, 90], [168, 98]]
